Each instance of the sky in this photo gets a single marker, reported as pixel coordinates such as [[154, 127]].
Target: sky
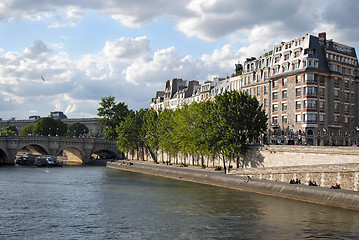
[[66, 55]]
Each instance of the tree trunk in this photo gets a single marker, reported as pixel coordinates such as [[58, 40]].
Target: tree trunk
[[143, 152], [224, 164]]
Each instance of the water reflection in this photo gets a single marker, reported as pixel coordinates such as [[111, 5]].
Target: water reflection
[[100, 203]]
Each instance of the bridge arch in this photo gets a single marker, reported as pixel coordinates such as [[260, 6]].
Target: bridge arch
[[73, 154], [37, 149], [3, 157]]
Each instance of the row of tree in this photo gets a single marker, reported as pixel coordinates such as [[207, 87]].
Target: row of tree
[[223, 127], [49, 127]]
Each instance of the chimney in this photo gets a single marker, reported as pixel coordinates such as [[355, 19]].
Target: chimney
[[322, 36]]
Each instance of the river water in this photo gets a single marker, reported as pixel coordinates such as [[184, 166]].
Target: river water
[[102, 203]]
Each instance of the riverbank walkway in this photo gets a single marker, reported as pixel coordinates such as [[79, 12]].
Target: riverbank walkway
[[334, 197]]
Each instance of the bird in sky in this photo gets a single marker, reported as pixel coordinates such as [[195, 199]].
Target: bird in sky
[[43, 79]]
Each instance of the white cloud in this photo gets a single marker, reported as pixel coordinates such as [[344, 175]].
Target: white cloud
[[130, 69], [38, 51]]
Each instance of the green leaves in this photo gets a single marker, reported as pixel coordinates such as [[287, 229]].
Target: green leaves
[[226, 126], [112, 114]]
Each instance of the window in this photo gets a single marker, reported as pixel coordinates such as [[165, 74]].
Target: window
[[346, 120], [336, 81], [297, 79], [258, 91], [275, 108], [249, 80], [284, 119], [275, 96], [321, 78], [265, 103], [296, 54], [265, 89], [310, 117], [321, 118], [284, 106], [321, 92], [276, 60], [347, 95], [258, 77], [310, 104], [298, 118], [336, 106], [274, 84], [298, 92], [265, 76], [274, 120], [286, 57], [310, 91], [321, 105], [309, 77], [284, 82], [284, 94], [336, 92], [346, 107], [336, 119], [298, 105], [346, 83]]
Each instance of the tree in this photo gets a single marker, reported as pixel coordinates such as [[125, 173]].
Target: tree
[[27, 130], [48, 126], [126, 133], [150, 130], [165, 133], [112, 114], [10, 130], [241, 120], [76, 129]]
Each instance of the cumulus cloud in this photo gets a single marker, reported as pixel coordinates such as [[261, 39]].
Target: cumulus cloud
[[130, 69], [38, 51], [126, 67]]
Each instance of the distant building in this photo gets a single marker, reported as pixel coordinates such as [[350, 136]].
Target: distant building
[[92, 124], [58, 115], [309, 88]]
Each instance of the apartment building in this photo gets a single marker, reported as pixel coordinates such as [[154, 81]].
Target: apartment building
[[308, 86]]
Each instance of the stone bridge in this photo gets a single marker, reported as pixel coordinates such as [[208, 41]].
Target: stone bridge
[[76, 149]]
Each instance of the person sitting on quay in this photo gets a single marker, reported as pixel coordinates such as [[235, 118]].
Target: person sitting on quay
[[292, 181], [248, 179], [336, 186], [310, 183]]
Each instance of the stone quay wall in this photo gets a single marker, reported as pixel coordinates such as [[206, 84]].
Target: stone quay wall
[[347, 175], [325, 165], [334, 197]]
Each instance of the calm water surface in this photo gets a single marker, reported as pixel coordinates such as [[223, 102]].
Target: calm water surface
[[101, 203]]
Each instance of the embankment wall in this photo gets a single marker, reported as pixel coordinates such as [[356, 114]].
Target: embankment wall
[[340, 198], [325, 165]]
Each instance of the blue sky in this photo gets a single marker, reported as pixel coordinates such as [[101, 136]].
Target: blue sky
[[89, 49]]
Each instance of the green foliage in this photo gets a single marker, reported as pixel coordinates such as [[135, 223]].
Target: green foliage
[[165, 132], [126, 133], [225, 126], [241, 121], [10, 130], [27, 130], [150, 129], [48, 126], [76, 129], [112, 114]]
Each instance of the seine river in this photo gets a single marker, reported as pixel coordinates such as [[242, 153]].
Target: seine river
[[101, 203]]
